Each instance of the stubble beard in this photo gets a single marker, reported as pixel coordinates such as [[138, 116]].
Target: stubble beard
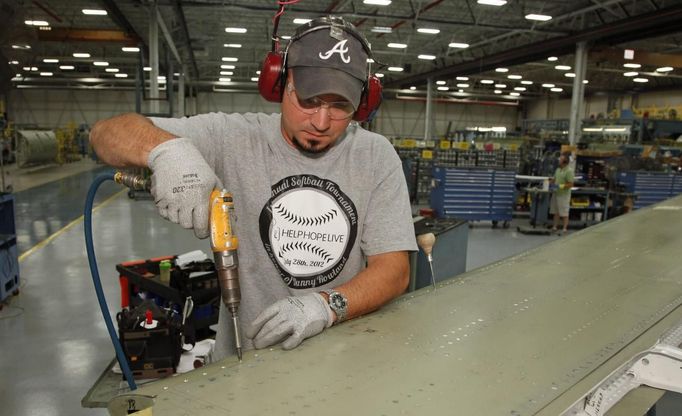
[[314, 147]]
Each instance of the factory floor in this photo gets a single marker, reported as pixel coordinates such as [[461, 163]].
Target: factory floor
[[53, 340]]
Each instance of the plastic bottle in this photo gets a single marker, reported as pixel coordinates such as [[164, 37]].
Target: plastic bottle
[[164, 271]]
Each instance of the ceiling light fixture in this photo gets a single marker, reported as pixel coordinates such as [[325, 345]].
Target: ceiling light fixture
[[525, 82], [381, 29], [443, 88], [13, 62], [230, 59], [378, 2], [492, 2], [538, 17], [94, 12], [569, 75], [631, 74], [514, 76], [227, 67], [548, 85], [379, 75], [462, 85], [642, 80], [130, 49], [487, 81], [441, 82], [632, 65], [46, 74], [397, 45], [51, 60], [21, 46], [111, 70], [500, 85], [498, 92], [563, 67], [412, 88], [556, 89], [515, 94], [519, 88], [458, 45], [101, 63], [121, 75], [427, 57], [81, 55], [254, 79], [428, 31], [501, 69], [552, 58], [586, 81], [66, 67], [225, 79], [36, 23], [462, 78], [236, 29], [299, 21], [396, 69], [664, 69], [226, 73], [232, 45], [285, 37]]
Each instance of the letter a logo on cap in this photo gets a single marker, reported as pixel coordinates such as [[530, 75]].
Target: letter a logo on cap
[[339, 48]]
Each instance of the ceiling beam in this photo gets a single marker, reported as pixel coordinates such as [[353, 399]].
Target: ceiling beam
[[641, 57], [177, 7], [662, 21], [59, 34]]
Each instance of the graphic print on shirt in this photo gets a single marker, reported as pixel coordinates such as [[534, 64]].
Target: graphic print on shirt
[[308, 228]]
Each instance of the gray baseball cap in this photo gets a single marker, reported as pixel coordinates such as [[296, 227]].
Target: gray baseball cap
[[328, 61]]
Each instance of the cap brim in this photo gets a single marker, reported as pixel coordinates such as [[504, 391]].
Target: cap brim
[[313, 81]]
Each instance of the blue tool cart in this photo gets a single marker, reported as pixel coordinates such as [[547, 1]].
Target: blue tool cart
[[474, 194], [651, 187], [9, 263]]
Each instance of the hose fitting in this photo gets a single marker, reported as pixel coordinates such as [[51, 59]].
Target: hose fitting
[[134, 182]]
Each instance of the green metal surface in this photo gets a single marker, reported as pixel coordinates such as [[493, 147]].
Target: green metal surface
[[527, 335]]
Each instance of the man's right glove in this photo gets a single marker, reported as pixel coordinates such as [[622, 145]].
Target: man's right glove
[[182, 184]]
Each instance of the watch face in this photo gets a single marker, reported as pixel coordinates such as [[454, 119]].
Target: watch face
[[338, 301]]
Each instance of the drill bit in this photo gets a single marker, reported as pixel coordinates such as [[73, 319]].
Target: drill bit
[[426, 242]]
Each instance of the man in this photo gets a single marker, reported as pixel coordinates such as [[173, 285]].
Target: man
[[560, 204], [316, 198]]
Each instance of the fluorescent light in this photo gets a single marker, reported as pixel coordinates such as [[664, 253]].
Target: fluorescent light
[[538, 17], [111, 70], [81, 55], [462, 85], [227, 67], [500, 85], [412, 88], [501, 70], [130, 49], [664, 69], [378, 2], [458, 45], [225, 79], [254, 79], [443, 88], [379, 75], [17, 63], [586, 81], [46, 74], [462, 78], [51, 60], [631, 74], [230, 59], [515, 94], [95, 12], [632, 65], [428, 31], [89, 79], [563, 67], [615, 129], [498, 92], [569, 75], [519, 88], [299, 21], [397, 45], [427, 57], [285, 37], [236, 29], [258, 72], [36, 23], [226, 73], [525, 82], [441, 82], [493, 2], [370, 60], [101, 63], [499, 129], [556, 89], [381, 29], [121, 75], [552, 58], [642, 80], [487, 81], [21, 46], [514, 76], [232, 45], [548, 85], [396, 69], [599, 129], [147, 68]]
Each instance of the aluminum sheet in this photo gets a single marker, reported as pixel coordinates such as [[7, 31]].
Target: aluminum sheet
[[523, 336]]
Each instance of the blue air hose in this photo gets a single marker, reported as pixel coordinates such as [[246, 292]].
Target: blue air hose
[[87, 219]]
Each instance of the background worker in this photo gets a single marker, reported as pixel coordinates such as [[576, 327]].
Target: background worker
[[560, 203], [316, 196]]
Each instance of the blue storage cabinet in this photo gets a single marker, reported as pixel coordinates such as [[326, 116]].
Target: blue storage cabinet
[[473, 194], [651, 187], [9, 263]]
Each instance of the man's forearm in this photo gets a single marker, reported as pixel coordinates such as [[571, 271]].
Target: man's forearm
[[386, 277], [126, 140]]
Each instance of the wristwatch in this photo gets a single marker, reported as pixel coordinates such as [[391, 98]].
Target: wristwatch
[[338, 303]]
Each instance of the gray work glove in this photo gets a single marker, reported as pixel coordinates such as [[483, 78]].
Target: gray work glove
[[294, 318], [182, 184]]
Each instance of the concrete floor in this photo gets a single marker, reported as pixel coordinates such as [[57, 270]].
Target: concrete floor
[[54, 343]]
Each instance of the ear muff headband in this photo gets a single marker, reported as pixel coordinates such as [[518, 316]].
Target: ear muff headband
[[273, 71]]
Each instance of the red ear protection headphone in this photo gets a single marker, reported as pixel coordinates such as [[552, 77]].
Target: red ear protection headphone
[[273, 73]]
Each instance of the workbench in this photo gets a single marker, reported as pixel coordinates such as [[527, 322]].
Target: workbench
[[529, 335]]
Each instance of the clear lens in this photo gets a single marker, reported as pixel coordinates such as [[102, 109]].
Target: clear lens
[[337, 110]]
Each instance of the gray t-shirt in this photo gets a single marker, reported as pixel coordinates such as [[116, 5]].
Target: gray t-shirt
[[304, 222]]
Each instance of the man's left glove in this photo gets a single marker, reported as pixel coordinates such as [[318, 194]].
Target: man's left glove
[[294, 318]]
